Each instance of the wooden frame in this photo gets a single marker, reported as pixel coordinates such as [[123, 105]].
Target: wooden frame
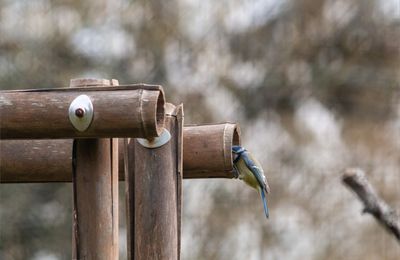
[[93, 159]]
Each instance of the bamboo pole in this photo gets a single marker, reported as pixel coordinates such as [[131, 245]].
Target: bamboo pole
[[95, 192], [206, 154], [153, 190], [95, 234], [24, 161], [126, 111], [208, 150]]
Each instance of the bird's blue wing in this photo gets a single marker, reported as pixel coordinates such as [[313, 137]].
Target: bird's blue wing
[[264, 199], [257, 172]]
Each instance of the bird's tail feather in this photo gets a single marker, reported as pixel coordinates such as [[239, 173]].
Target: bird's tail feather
[[264, 199]]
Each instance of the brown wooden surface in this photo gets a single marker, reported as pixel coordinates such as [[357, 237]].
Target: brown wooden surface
[[206, 155], [35, 161], [97, 199], [95, 194], [208, 150], [153, 196], [122, 112], [129, 171]]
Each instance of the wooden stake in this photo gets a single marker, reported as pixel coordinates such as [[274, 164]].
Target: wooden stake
[[153, 189], [95, 177]]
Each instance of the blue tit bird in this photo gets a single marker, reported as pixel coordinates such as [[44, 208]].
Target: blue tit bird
[[249, 170]]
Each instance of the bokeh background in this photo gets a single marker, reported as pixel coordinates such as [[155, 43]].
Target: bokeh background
[[313, 83]]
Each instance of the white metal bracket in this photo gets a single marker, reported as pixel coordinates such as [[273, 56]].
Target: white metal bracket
[[156, 142], [81, 112]]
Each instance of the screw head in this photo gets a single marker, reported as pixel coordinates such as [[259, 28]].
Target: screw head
[[80, 112]]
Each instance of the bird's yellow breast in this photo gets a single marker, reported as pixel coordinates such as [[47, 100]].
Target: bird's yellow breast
[[246, 175]]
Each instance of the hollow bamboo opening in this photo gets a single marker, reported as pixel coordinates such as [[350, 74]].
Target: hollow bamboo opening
[[160, 113]]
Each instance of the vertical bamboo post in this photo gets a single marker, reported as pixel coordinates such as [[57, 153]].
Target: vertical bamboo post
[[153, 189], [95, 177]]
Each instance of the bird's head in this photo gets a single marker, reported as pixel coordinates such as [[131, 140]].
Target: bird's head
[[237, 151]]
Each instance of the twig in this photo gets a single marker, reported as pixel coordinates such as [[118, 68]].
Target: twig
[[355, 179]]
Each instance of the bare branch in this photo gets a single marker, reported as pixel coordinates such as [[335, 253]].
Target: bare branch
[[355, 179]]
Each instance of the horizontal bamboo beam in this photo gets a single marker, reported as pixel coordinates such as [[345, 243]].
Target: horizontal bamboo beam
[[207, 150], [118, 111], [206, 154]]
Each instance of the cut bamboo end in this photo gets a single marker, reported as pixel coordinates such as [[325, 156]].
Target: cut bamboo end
[[208, 149], [231, 138], [153, 112], [152, 103]]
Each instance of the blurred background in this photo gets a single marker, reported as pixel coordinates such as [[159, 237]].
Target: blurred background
[[314, 84]]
